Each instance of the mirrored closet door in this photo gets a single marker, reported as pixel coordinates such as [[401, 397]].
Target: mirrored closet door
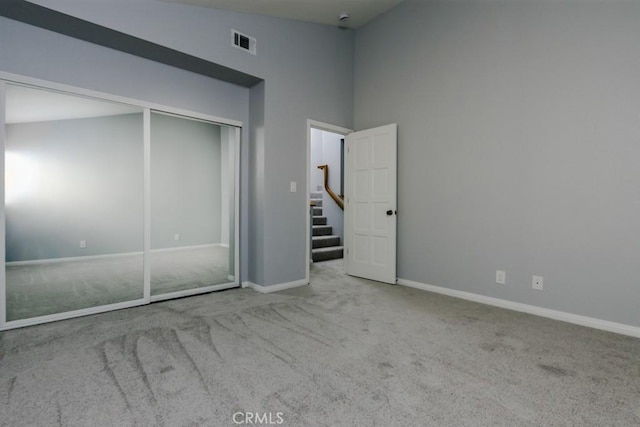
[[192, 204], [73, 202], [110, 204]]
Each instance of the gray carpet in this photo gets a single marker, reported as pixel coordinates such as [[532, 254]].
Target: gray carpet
[[55, 287], [340, 352]]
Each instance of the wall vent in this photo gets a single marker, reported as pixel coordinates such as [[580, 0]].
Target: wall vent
[[243, 41]]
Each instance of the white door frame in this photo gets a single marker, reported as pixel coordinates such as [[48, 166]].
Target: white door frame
[[148, 108], [314, 124]]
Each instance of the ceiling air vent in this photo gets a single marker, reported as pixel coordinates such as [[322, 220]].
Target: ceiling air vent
[[244, 42]]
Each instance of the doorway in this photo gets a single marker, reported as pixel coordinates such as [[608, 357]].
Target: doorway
[[325, 191]]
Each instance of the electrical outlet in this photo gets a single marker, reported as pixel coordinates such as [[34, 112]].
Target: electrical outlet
[[176, 236], [501, 277], [293, 186], [537, 283], [83, 244]]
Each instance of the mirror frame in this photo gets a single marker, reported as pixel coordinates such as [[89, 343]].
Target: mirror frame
[[147, 107]]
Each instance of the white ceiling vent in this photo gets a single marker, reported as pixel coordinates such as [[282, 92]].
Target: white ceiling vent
[[243, 41]]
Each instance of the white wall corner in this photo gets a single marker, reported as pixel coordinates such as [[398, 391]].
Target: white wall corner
[[274, 288], [590, 322]]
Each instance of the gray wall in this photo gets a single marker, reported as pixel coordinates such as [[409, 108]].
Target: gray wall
[[315, 159], [185, 182], [518, 146], [92, 171], [308, 73], [227, 186], [91, 183]]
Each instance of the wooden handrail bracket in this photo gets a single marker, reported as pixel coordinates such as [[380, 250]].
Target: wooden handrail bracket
[[336, 198]]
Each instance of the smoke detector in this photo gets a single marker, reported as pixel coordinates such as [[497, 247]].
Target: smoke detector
[[344, 17]]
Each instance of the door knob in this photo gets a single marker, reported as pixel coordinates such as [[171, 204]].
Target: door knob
[[389, 212]]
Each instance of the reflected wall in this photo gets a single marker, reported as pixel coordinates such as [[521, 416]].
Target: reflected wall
[[73, 203], [191, 178]]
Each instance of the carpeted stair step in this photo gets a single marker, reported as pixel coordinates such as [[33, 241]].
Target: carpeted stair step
[[319, 220], [325, 241], [322, 230], [326, 254], [325, 246]]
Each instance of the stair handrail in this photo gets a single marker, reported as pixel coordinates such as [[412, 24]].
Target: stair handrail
[[339, 199]]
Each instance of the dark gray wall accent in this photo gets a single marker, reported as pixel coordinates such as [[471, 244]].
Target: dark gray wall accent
[[185, 182], [49, 19], [308, 73], [518, 146], [92, 182]]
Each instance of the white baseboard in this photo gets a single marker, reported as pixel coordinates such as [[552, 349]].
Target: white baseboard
[[590, 322], [274, 288], [68, 259], [94, 257], [186, 248], [70, 314], [191, 292]]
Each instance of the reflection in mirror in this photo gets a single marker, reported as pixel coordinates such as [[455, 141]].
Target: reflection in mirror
[[192, 200], [73, 202]]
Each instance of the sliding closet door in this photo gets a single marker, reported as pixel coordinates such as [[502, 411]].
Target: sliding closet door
[[73, 200], [192, 200]]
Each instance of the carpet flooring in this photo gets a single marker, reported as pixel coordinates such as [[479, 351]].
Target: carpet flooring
[[54, 287], [340, 352]]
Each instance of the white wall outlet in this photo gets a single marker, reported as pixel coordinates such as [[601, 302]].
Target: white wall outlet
[[501, 277], [83, 244], [293, 186], [537, 283], [176, 236]]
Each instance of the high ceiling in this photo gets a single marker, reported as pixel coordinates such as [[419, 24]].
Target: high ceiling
[[318, 11]]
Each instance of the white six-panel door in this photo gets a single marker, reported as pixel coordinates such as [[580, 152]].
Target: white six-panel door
[[370, 203]]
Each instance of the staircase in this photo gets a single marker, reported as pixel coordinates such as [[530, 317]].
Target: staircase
[[324, 245]]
